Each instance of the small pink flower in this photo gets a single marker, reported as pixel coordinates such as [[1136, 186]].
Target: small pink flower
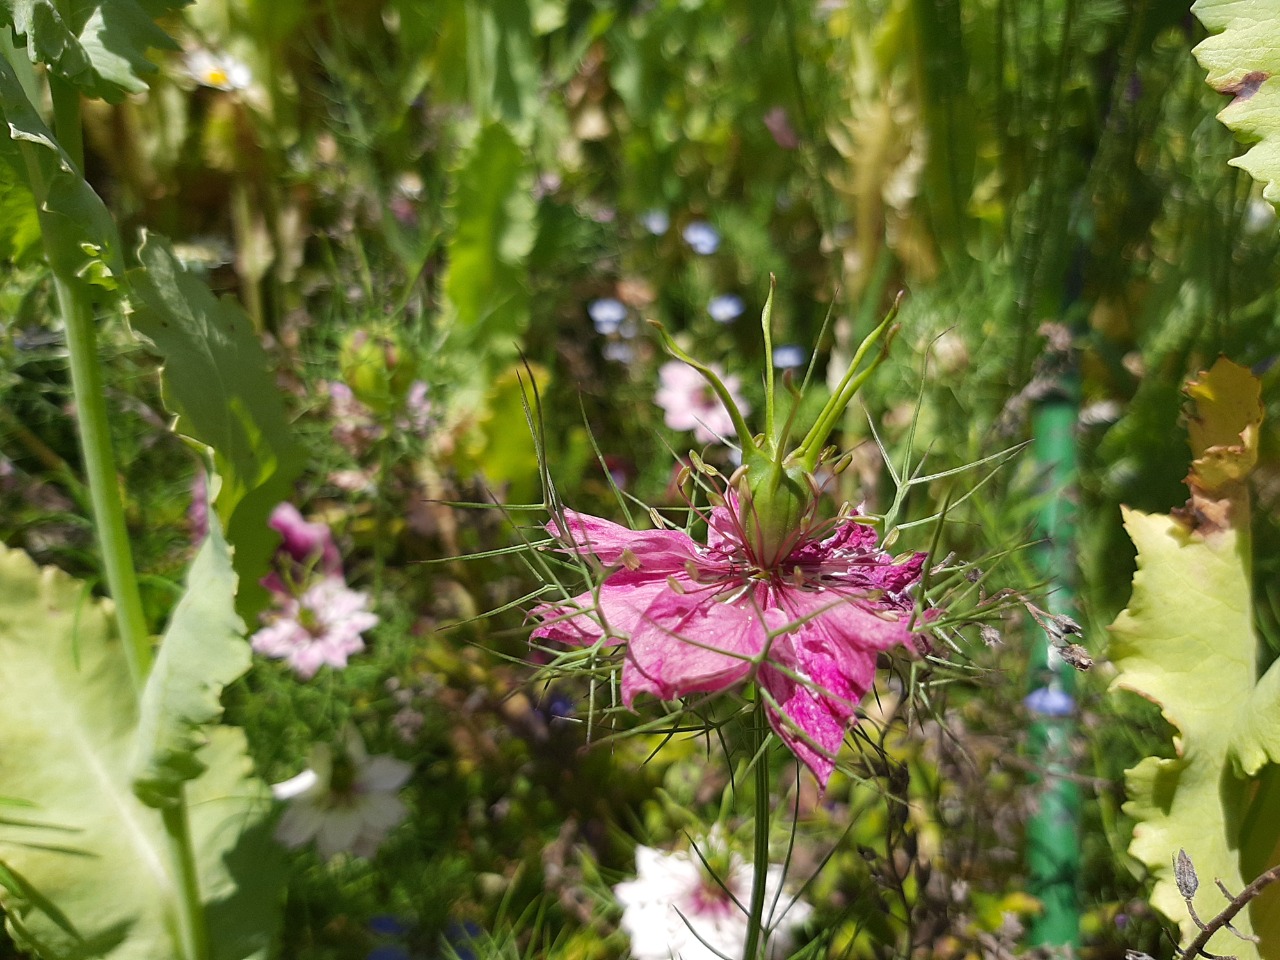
[[806, 626], [321, 626], [689, 403], [306, 549]]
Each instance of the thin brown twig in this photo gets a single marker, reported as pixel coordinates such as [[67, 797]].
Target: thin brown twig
[[1196, 947]]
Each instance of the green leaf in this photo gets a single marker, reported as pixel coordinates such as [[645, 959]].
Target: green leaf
[[87, 868], [80, 234], [203, 650], [1186, 641], [100, 46], [502, 71], [486, 284], [216, 379], [1242, 58]]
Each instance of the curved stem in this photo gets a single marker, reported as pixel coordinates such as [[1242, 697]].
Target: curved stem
[[754, 946]]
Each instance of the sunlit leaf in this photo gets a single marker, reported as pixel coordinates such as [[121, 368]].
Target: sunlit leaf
[[203, 650], [100, 47], [87, 867], [1187, 642], [79, 233], [1242, 58]]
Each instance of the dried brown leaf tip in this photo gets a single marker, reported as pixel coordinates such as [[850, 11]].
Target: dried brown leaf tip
[[1223, 423]]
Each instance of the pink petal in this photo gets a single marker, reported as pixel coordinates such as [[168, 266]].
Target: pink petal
[[655, 551], [690, 643]]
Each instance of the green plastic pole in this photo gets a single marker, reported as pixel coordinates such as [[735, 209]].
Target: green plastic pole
[[1053, 832]]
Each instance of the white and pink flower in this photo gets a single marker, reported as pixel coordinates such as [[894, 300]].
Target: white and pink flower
[[689, 403], [677, 908], [323, 626]]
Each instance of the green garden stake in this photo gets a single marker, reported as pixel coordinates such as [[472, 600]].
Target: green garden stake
[[1053, 832]]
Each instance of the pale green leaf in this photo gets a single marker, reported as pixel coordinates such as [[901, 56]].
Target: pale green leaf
[[1186, 641], [203, 650], [217, 380], [87, 868], [1242, 58], [486, 282], [100, 46]]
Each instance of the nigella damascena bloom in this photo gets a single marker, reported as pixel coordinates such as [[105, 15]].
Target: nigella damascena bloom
[[676, 907], [688, 403], [805, 619], [324, 625]]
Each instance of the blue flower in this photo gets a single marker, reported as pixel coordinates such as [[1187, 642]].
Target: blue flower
[[389, 926], [725, 308], [607, 314], [789, 356], [388, 952], [656, 221], [1050, 702], [702, 237]]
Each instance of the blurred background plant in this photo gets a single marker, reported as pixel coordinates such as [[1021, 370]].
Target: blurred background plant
[[426, 208]]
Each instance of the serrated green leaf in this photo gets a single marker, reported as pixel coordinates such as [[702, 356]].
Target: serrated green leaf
[[80, 234], [1186, 641], [100, 46], [486, 283], [203, 650], [1242, 58], [216, 379], [87, 867]]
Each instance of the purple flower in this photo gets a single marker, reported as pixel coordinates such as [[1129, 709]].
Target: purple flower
[[656, 221], [789, 356], [701, 618], [725, 308], [607, 314], [321, 626], [689, 403], [702, 237]]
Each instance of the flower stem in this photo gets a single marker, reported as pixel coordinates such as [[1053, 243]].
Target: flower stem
[[76, 306], [760, 857]]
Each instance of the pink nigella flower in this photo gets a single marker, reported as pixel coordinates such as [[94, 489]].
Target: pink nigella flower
[[806, 621], [689, 403], [306, 548], [323, 625]]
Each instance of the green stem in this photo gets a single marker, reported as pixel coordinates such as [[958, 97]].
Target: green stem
[[760, 858], [76, 307], [192, 932]]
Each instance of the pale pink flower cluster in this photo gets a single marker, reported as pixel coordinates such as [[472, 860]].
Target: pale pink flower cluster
[[675, 908], [689, 403], [355, 428], [316, 620]]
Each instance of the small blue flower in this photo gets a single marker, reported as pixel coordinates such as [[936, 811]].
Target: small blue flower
[[656, 221], [1050, 702], [725, 308], [619, 352], [607, 314], [389, 926], [702, 237], [789, 356]]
